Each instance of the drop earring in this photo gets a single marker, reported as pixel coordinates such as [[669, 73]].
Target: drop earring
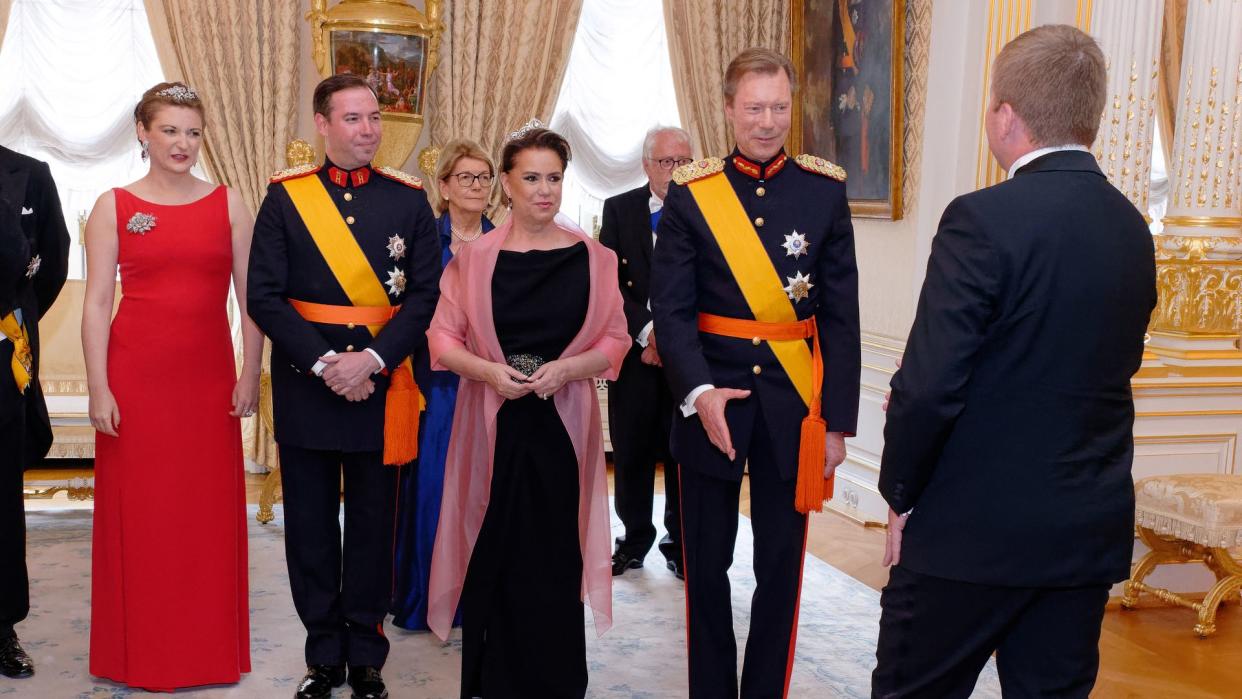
[[146, 147]]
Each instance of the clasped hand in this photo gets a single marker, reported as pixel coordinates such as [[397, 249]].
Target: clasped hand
[[348, 374], [512, 384]]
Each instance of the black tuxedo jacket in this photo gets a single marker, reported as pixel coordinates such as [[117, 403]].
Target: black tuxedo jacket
[[286, 264], [690, 276], [1010, 427], [31, 226], [626, 230]]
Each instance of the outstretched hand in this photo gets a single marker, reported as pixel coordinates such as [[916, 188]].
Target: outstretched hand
[[710, 407]]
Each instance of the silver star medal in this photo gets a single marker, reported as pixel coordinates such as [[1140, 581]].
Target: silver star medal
[[396, 282], [799, 287], [795, 244], [396, 247], [33, 268]]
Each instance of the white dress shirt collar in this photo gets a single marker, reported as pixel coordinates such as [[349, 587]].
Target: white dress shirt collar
[[1040, 152]]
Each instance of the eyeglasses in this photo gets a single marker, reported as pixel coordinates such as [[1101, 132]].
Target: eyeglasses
[[670, 163], [467, 179]]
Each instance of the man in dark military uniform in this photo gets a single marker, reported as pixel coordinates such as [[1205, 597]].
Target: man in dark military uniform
[[640, 407], [344, 275], [761, 237], [34, 260]]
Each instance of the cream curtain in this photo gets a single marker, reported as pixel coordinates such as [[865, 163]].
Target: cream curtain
[[242, 57], [501, 65], [1170, 69], [703, 36], [5, 6]]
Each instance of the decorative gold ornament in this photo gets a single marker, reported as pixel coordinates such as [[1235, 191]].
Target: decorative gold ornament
[[299, 152], [395, 47], [816, 164], [1199, 280], [698, 170]]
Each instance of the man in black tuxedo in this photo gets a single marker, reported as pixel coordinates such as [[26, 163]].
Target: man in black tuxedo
[[1009, 438], [344, 277], [640, 405], [34, 261]]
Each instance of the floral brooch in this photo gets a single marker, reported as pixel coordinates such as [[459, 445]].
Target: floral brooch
[[140, 223]]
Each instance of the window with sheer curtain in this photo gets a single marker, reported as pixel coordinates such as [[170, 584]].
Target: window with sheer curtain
[[72, 72], [619, 84]]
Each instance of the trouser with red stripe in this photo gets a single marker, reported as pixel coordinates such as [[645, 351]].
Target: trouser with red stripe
[[709, 519]]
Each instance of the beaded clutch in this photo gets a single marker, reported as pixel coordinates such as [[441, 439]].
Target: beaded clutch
[[525, 363]]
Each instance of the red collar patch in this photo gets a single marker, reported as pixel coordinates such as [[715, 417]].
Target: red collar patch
[[758, 172], [346, 178]]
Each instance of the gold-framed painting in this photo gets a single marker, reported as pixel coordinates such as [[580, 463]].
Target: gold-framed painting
[[395, 65], [849, 56]]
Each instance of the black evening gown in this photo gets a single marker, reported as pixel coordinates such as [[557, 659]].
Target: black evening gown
[[523, 632]]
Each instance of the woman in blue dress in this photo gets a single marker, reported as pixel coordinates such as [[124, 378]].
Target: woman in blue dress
[[466, 175]]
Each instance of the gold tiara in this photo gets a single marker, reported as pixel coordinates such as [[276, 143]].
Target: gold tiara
[[526, 128], [178, 93]]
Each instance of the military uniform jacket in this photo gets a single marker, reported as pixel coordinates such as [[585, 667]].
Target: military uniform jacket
[[395, 229], [34, 261], [787, 200]]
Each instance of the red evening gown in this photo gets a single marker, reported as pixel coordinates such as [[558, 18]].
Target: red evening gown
[[169, 605]]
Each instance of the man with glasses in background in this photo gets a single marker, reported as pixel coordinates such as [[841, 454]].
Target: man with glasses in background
[[640, 405]]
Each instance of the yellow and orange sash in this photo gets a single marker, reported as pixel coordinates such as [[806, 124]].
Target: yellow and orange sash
[[22, 362], [371, 307], [775, 322]]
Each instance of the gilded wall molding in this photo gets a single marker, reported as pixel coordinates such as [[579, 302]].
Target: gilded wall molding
[[918, 43], [1006, 20], [1199, 279]]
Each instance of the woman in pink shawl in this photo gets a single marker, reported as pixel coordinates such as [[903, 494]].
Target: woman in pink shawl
[[529, 316]]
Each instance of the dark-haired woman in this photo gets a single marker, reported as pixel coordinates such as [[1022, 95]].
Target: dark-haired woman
[[169, 603], [529, 316]]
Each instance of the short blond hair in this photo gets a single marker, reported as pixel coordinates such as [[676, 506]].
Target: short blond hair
[[452, 152], [756, 60], [1056, 80]]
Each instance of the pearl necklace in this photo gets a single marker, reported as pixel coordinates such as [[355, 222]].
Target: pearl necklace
[[462, 238]]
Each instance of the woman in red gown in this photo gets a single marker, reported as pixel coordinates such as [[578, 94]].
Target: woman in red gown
[[169, 602]]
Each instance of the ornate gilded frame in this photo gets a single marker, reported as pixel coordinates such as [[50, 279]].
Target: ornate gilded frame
[[890, 208], [391, 17]]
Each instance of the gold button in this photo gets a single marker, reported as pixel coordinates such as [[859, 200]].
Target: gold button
[[350, 348], [629, 283], [756, 369], [758, 222], [755, 342], [758, 192], [624, 261], [351, 326], [350, 197], [350, 220]]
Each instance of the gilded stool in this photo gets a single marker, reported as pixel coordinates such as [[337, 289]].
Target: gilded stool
[[1194, 518]]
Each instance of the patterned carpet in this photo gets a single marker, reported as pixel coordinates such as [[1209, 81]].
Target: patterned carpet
[[642, 657]]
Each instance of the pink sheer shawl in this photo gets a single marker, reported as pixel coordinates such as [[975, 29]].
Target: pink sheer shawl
[[463, 318]]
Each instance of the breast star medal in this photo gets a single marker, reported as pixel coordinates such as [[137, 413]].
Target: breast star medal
[[396, 247], [799, 287], [396, 282], [140, 223], [795, 244], [33, 268]]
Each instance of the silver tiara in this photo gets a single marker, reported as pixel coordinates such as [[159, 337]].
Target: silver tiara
[[526, 128], [178, 93]]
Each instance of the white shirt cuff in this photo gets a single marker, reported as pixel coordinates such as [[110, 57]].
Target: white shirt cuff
[[382, 365], [687, 406], [320, 365], [644, 334]]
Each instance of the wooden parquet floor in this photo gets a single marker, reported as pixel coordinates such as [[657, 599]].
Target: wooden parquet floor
[[1151, 653]]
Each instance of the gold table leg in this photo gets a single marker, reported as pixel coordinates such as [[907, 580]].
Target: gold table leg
[[1228, 574]]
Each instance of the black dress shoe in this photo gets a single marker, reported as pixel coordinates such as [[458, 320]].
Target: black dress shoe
[[622, 562], [319, 681], [13, 660], [677, 568], [367, 682]]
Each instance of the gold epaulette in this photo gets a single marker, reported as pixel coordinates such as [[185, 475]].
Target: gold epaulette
[[297, 171], [697, 170], [816, 164], [401, 176]]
